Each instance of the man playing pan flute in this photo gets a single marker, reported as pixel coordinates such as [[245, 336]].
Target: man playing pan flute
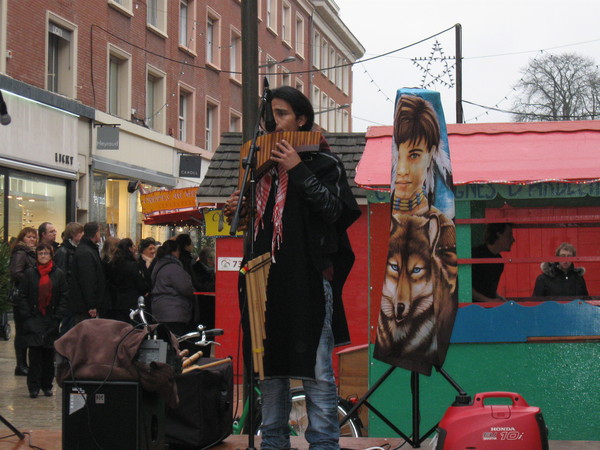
[[303, 208]]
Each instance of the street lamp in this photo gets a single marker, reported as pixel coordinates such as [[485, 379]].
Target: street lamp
[[273, 62], [344, 106]]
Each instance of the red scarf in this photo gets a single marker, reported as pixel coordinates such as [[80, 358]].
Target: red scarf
[[264, 187], [45, 287]]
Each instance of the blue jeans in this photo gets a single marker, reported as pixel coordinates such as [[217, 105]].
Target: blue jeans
[[323, 430]]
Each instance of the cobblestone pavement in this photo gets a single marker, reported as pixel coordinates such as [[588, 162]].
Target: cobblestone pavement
[[15, 405]]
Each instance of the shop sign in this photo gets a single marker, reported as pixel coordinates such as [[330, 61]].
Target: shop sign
[[174, 200], [189, 166], [216, 224], [107, 138]]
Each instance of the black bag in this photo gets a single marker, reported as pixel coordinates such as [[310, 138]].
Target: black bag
[[204, 416]]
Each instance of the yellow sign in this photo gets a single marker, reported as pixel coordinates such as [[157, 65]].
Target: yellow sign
[[216, 224], [172, 200]]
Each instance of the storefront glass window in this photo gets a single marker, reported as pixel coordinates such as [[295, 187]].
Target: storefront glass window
[[33, 199], [98, 204]]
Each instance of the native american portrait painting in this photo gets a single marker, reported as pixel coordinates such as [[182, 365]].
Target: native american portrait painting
[[419, 297]]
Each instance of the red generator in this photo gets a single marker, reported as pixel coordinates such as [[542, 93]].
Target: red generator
[[473, 425]]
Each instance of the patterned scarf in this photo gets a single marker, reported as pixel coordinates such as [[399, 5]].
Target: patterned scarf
[[264, 187], [45, 287]]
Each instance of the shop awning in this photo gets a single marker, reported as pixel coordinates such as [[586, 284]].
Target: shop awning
[[504, 153], [175, 206]]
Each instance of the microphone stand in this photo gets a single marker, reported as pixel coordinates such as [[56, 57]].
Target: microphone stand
[[248, 165]]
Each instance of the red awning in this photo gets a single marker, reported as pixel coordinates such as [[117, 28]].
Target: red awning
[[179, 218], [507, 153]]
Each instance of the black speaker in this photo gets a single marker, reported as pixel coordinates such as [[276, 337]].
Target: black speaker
[[111, 415], [204, 416]]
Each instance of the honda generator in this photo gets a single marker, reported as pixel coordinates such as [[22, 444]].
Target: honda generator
[[471, 424]]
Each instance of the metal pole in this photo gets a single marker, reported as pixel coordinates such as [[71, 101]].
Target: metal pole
[[249, 119], [459, 110], [249, 67]]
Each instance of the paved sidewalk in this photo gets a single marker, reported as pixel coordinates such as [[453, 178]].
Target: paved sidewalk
[[44, 414], [15, 405]]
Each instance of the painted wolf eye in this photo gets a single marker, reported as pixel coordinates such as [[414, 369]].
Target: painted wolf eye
[[394, 267], [417, 270]]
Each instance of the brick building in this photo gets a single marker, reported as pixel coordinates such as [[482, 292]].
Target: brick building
[[104, 92]]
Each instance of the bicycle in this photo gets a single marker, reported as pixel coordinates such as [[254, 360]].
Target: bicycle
[[298, 421]]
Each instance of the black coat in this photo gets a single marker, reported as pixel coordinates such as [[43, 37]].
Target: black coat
[[319, 207], [128, 283], [63, 258], [21, 259], [553, 282], [87, 290], [146, 273], [40, 330]]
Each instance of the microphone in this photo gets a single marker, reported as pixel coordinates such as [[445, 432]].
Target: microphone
[[4, 117], [270, 123]]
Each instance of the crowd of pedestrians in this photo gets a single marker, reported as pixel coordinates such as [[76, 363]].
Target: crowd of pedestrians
[[55, 287]]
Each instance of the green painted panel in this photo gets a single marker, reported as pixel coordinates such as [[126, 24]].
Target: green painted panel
[[563, 379], [527, 191], [463, 248]]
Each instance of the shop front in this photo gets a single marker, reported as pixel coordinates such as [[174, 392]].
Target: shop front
[[126, 161], [39, 163]]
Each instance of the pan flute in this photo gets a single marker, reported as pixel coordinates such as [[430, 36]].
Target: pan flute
[[302, 141], [257, 273]]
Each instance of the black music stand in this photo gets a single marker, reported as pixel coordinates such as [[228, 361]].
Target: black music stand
[[12, 428], [249, 166], [417, 439]]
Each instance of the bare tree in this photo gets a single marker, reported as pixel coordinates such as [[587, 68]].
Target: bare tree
[[558, 87]]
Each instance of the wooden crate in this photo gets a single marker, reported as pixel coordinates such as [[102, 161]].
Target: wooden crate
[[353, 370]]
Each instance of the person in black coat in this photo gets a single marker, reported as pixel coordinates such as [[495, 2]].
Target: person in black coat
[[125, 276], [203, 277], [42, 302], [22, 257], [87, 291], [147, 253], [185, 247], [63, 258], [561, 279]]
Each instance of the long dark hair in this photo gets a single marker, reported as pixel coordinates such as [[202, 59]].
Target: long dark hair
[[166, 248], [300, 104], [123, 251]]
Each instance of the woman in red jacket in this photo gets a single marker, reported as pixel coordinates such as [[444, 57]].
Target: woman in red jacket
[[42, 303]]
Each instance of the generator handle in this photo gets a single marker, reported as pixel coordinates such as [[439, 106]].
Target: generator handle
[[516, 399]]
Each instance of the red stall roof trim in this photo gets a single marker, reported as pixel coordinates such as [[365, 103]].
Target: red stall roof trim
[[501, 153]]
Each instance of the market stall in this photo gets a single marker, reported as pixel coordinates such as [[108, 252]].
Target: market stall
[[544, 179]]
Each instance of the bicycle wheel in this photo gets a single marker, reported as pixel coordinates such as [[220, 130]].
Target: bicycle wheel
[[299, 417]]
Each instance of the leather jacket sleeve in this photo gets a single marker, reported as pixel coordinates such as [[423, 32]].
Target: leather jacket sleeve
[[320, 199]]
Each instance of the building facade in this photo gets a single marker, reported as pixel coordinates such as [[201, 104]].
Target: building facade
[[106, 93]]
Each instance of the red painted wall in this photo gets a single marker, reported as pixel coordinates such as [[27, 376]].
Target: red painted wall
[[355, 294], [518, 280]]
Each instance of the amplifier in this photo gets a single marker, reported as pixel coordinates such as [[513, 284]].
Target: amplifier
[[111, 415]]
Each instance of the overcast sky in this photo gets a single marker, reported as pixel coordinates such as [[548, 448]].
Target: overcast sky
[[499, 38]]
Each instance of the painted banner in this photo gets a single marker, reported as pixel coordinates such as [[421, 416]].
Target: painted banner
[[174, 200], [419, 297]]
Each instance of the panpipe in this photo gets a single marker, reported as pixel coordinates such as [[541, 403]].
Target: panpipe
[[302, 141], [257, 273]]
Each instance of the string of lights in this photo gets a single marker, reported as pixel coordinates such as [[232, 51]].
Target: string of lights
[[536, 115], [503, 99]]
